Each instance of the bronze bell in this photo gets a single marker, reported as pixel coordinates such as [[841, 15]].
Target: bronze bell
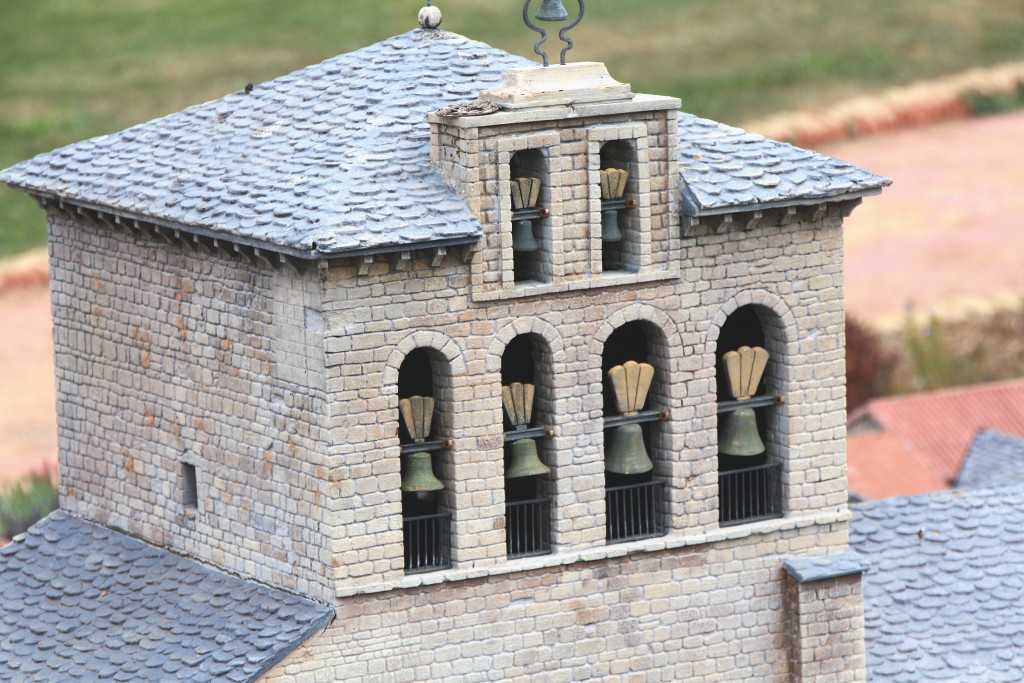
[[552, 10], [418, 474], [517, 399], [625, 452], [610, 226], [738, 434], [525, 460], [417, 413], [522, 237]]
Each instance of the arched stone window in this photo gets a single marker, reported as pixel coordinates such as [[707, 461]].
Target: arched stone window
[[749, 466], [634, 364], [424, 399], [526, 397]]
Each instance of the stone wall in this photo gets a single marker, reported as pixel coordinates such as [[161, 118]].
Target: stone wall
[[791, 272], [167, 356], [826, 629], [711, 612]]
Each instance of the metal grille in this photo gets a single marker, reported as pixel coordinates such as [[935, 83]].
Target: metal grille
[[427, 545], [529, 527], [633, 511], [749, 494]]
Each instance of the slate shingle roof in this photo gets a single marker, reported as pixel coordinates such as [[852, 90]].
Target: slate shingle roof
[[944, 600], [335, 158], [332, 158], [81, 602], [993, 459], [729, 169]]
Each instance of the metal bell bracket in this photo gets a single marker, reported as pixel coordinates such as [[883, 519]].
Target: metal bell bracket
[[551, 5], [752, 402]]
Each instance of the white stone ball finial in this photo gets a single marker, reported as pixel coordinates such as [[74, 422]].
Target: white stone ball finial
[[430, 17]]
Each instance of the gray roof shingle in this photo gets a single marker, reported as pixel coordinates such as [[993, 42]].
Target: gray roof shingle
[[83, 602], [727, 169], [332, 158], [944, 600], [993, 459], [335, 158]]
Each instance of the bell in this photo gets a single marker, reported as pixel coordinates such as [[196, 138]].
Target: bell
[[418, 474], [625, 452], [738, 434], [610, 226], [552, 10], [525, 461], [522, 237]]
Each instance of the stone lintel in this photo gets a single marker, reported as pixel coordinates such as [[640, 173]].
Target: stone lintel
[[556, 85], [638, 104]]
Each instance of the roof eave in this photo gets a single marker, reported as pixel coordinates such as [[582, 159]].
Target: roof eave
[[782, 203], [314, 254]]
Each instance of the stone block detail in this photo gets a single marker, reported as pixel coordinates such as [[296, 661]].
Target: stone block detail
[[825, 628]]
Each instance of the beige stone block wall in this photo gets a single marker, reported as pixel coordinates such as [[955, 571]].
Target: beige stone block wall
[[826, 630], [165, 356], [706, 613], [791, 272]]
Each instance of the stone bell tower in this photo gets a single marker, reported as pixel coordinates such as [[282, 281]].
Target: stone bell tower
[[515, 371]]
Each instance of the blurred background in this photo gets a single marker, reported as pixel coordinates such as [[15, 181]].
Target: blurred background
[[926, 91]]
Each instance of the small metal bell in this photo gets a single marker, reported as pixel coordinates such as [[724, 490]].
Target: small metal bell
[[525, 460], [738, 434], [552, 10], [418, 474], [610, 226], [522, 237], [626, 453]]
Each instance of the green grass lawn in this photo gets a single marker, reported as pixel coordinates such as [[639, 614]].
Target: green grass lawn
[[70, 69]]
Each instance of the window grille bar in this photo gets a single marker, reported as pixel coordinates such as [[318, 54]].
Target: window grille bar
[[750, 494], [634, 511], [528, 530], [427, 546]]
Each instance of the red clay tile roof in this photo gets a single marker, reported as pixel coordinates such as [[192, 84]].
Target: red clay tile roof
[[880, 467], [937, 426]]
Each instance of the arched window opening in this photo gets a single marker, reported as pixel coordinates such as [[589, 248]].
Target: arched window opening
[[633, 495], [531, 195], [425, 524], [619, 226], [749, 476], [527, 500]]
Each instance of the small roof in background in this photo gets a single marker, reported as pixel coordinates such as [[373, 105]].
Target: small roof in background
[[938, 426], [993, 459], [878, 466], [83, 602], [944, 599], [334, 159]]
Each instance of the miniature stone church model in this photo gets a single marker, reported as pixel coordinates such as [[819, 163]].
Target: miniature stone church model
[[431, 363]]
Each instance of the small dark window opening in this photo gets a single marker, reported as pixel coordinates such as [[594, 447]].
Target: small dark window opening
[[619, 218], [531, 239], [633, 500], [749, 479], [190, 486], [527, 502], [425, 525]]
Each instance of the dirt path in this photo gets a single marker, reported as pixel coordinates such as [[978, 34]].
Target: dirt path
[[948, 236]]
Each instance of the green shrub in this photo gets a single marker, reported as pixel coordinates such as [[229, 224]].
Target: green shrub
[[25, 503]]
